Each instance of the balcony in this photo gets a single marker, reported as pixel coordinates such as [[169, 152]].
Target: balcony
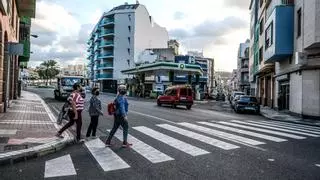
[[105, 66], [279, 34], [104, 76], [272, 4], [106, 33], [107, 22], [106, 55], [106, 44]]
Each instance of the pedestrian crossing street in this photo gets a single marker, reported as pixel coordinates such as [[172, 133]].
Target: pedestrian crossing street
[[221, 135]]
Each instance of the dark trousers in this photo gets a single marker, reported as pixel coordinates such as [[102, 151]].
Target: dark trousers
[[71, 122], [93, 126], [119, 121]]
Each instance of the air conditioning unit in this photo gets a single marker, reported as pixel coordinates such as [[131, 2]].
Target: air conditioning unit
[[300, 58]]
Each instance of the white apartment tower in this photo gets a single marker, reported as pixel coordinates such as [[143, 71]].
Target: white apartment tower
[[117, 41]]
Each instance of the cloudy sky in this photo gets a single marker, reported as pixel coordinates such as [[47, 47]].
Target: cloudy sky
[[215, 27]]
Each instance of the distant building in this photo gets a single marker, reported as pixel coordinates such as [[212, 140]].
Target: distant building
[[118, 40], [243, 68], [74, 70]]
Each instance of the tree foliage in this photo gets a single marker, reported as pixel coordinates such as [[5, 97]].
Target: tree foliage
[[48, 70]]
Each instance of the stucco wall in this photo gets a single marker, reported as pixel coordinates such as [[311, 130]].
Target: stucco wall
[[295, 93], [311, 92]]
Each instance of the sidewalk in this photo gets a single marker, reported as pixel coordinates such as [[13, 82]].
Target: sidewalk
[[282, 116], [27, 130]]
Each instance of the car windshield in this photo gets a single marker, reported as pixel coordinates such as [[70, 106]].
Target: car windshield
[[248, 99], [70, 81]]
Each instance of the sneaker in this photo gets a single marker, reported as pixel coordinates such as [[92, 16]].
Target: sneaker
[[108, 144], [126, 144], [58, 135], [80, 141]]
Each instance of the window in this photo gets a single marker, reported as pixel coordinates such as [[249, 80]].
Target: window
[[299, 23], [269, 35], [260, 55], [128, 61], [261, 26], [129, 51], [129, 16], [129, 40], [129, 28]]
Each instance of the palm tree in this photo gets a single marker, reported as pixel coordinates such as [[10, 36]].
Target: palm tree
[[49, 69]]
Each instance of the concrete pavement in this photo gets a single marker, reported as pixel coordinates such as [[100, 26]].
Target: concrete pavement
[[27, 130]]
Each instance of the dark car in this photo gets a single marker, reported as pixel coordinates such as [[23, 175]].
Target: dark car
[[177, 95], [221, 97], [246, 103]]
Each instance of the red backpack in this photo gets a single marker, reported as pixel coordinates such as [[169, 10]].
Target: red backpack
[[111, 108]]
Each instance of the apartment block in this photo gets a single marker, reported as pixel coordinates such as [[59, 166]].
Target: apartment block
[[117, 41], [243, 68]]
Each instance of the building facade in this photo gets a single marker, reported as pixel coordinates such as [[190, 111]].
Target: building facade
[[13, 14], [117, 41], [243, 68], [289, 55], [75, 70]]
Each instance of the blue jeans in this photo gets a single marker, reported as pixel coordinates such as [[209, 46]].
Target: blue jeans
[[119, 121]]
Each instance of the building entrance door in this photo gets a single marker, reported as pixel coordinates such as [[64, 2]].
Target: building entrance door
[[284, 92]]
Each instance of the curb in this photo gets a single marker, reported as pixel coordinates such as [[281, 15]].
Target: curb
[[301, 122], [41, 150]]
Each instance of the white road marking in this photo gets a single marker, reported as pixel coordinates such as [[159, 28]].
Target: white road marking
[[286, 127], [175, 143], [314, 128], [222, 134], [318, 165], [216, 113], [29, 112], [199, 137], [55, 109], [107, 159], [61, 166], [147, 151], [8, 131], [274, 128], [263, 130], [154, 117], [271, 160], [258, 135]]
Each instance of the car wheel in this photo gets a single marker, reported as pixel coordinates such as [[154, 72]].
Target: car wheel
[[158, 103], [188, 107], [174, 106]]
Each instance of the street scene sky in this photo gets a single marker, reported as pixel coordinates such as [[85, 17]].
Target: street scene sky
[[214, 27]]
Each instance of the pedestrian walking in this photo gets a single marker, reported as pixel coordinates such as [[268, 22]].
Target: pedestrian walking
[[94, 112], [75, 112], [120, 117]]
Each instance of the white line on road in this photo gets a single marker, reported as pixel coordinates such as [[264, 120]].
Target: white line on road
[[8, 131], [199, 137], [274, 128], [216, 113], [175, 143], [154, 117], [313, 128], [318, 165], [263, 130], [222, 134], [258, 135], [147, 151], [107, 159], [61, 166], [286, 127]]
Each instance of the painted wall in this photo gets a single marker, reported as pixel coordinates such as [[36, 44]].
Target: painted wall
[[311, 92], [295, 104]]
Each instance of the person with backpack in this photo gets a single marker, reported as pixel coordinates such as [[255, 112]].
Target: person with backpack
[[120, 117], [94, 112], [75, 112]]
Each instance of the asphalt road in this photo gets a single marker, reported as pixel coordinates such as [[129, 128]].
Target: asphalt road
[[181, 144]]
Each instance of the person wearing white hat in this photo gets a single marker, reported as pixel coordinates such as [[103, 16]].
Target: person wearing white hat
[[120, 117]]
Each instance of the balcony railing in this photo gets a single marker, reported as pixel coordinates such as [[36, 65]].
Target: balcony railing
[[107, 32], [106, 43], [104, 76], [107, 21], [105, 65], [104, 55]]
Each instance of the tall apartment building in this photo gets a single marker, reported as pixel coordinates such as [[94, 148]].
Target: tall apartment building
[[285, 41], [14, 45], [118, 39], [243, 67]]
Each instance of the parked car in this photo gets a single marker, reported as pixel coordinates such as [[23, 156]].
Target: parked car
[[246, 103], [221, 97], [234, 94], [234, 100], [177, 95]]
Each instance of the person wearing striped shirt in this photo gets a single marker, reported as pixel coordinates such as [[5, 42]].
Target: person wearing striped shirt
[[75, 112]]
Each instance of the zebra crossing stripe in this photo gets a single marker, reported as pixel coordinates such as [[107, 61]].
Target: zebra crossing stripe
[[258, 135], [199, 137], [150, 153], [263, 130], [312, 128], [287, 127], [175, 143], [221, 134], [274, 128], [61, 166], [107, 159]]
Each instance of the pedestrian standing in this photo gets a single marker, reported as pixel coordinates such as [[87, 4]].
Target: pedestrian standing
[[120, 117], [75, 112], [94, 112]]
